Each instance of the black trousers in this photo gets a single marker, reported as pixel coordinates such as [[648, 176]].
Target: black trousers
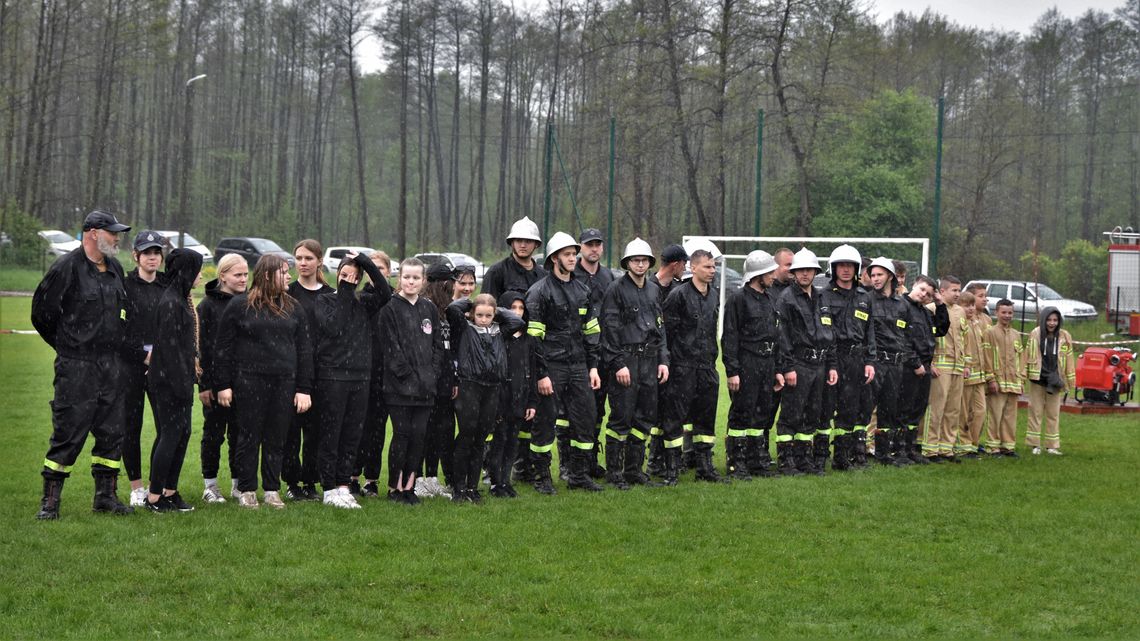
[[87, 401], [915, 396], [801, 408], [572, 403], [476, 409], [690, 396], [406, 453], [343, 407], [302, 448], [264, 409], [505, 446], [439, 444], [888, 388], [370, 454], [600, 395], [172, 435], [135, 393], [849, 401], [217, 422], [633, 409], [753, 403]]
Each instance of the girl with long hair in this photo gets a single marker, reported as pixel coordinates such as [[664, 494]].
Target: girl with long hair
[[370, 456], [440, 440]]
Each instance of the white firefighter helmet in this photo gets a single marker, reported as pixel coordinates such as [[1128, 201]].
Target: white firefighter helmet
[[845, 254], [559, 241], [524, 229], [638, 247], [885, 263], [805, 259], [758, 263], [696, 244]]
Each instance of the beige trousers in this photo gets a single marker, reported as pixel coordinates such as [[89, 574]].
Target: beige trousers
[[943, 415], [1001, 433], [973, 417], [1044, 412]]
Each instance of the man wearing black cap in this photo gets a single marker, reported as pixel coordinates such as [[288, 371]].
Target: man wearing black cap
[[80, 310], [673, 261], [589, 270]]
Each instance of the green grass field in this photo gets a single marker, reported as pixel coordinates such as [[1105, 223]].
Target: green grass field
[[1034, 547]]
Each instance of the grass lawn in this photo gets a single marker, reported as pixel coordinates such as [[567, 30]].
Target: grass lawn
[[1034, 547]]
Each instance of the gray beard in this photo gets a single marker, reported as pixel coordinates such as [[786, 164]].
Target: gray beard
[[107, 248]]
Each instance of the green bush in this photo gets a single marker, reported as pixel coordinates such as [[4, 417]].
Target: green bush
[[24, 248], [1081, 272]]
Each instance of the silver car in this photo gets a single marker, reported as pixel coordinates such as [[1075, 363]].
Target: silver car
[[1030, 298]]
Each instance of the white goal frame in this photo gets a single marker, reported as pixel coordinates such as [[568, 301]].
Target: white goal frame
[[924, 264]]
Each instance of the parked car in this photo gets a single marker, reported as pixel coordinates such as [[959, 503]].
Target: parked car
[[252, 249], [453, 260], [59, 243], [1030, 298], [333, 256], [190, 242]]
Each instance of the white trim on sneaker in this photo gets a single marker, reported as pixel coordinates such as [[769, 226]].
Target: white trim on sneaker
[[349, 499], [248, 500], [1054, 451], [273, 500], [138, 497], [211, 494]]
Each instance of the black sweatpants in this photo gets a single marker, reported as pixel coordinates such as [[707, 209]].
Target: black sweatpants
[[888, 388], [172, 435], [573, 403], [690, 396], [753, 403], [370, 454], [405, 454], [264, 409], [135, 393], [302, 448], [633, 409], [914, 398], [476, 409], [801, 408], [217, 422], [439, 442], [87, 401], [343, 407], [505, 445]]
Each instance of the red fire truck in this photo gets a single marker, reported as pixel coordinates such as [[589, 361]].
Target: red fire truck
[[1123, 305]]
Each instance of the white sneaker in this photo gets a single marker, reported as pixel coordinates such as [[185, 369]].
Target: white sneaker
[[273, 500], [1036, 451], [1054, 451], [349, 499], [248, 500], [213, 495], [422, 489], [234, 491], [138, 497]]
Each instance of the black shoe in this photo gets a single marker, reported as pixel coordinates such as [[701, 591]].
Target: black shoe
[[1010, 454], [475, 496], [510, 490], [542, 483], [617, 480], [410, 497], [458, 496], [498, 491], [161, 505], [936, 459], [178, 503], [49, 504], [295, 493], [106, 497], [973, 456], [370, 489], [311, 493], [395, 496], [354, 488]]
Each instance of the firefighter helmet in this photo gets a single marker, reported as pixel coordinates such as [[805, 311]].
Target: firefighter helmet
[[845, 254], [559, 241], [758, 263], [638, 247], [695, 244], [805, 259], [524, 229], [885, 263]]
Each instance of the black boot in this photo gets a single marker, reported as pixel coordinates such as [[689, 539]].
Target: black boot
[[859, 449], [706, 471], [842, 458], [759, 458], [671, 461], [615, 464], [523, 472], [898, 446], [820, 449], [541, 477], [564, 456], [736, 454], [805, 458], [656, 465], [634, 459], [913, 449], [106, 499], [688, 460], [786, 458], [580, 466], [883, 448], [49, 504]]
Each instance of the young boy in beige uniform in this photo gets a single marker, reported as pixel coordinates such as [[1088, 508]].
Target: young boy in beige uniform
[[944, 414], [973, 380], [1003, 358]]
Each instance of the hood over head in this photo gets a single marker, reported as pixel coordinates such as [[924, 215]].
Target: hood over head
[[182, 268]]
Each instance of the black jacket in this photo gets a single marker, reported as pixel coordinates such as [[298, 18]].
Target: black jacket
[[923, 327], [209, 316], [142, 313], [890, 316], [481, 353], [690, 326], [598, 283], [413, 353], [308, 300], [751, 327], [663, 289], [524, 371], [802, 328], [80, 311], [848, 312], [632, 319], [377, 336], [562, 320], [172, 372], [343, 326], [508, 275], [259, 342]]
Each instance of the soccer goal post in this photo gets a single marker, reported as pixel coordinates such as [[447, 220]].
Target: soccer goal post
[[821, 245]]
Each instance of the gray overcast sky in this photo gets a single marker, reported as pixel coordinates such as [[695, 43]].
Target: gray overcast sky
[[1009, 15]]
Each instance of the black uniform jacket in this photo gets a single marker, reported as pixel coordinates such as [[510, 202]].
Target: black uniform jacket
[[343, 326], [663, 289], [561, 319], [598, 283], [413, 353], [509, 275], [690, 326], [261, 343], [923, 328], [481, 353], [209, 316], [80, 311], [751, 326], [890, 315], [802, 330], [632, 320], [848, 312], [142, 313]]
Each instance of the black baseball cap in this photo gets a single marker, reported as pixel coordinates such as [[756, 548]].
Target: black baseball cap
[[673, 253], [100, 219], [463, 268], [146, 239], [589, 235], [439, 272]]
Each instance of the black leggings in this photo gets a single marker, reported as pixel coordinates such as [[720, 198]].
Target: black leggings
[[135, 392], [476, 408], [217, 422], [264, 409], [370, 455], [343, 406], [302, 447], [439, 443], [172, 428], [505, 445], [409, 426]]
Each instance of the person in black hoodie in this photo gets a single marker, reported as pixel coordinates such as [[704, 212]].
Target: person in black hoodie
[[370, 456], [923, 328], [299, 469], [343, 365], [264, 364], [439, 442], [233, 272], [172, 375], [478, 330], [144, 285], [413, 356], [519, 401]]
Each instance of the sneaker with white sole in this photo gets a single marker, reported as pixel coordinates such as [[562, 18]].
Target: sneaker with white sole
[[248, 500], [235, 493], [422, 489], [273, 500], [138, 497], [1054, 451], [347, 495], [1036, 451], [213, 495], [336, 497]]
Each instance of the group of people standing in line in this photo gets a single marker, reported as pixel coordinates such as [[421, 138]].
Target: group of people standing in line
[[302, 377]]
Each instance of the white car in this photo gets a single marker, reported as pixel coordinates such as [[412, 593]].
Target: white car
[[453, 260], [1030, 298], [60, 243], [191, 243], [333, 256]]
